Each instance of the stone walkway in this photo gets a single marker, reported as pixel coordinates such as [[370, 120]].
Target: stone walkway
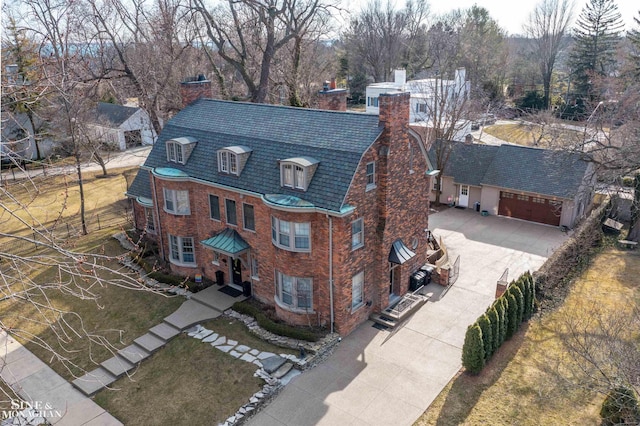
[[202, 306], [275, 370], [51, 396]]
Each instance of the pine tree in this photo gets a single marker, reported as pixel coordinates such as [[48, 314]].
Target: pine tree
[[487, 336], [596, 36], [473, 350], [519, 297]]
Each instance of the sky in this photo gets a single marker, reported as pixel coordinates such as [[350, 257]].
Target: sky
[[510, 14]]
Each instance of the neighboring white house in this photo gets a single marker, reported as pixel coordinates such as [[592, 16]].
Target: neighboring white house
[[122, 126], [424, 93]]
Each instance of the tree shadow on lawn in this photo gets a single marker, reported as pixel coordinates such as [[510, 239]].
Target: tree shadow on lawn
[[467, 389]]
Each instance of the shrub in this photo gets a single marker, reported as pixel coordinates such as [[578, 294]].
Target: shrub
[[511, 315], [494, 320], [473, 350], [499, 306], [487, 337], [620, 407], [167, 278], [519, 297], [274, 327]]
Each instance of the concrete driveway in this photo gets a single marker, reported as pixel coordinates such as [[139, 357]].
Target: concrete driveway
[[379, 377]]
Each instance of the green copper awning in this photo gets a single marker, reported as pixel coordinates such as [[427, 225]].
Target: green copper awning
[[228, 242]]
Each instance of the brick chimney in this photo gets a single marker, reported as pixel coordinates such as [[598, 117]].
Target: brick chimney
[[331, 98], [194, 88], [394, 109]]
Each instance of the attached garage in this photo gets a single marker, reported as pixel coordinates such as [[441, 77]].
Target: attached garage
[[535, 209]]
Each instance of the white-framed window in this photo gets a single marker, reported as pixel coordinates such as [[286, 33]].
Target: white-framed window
[[291, 236], [150, 225], [436, 183], [421, 107], [294, 292], [176, 202], [230, 208], [293, 176], [227, 162], [254, 269], [357, 290], [371, 175], [174, 152], [216, 258], [182, 250], [372, 101], [248, 218], [357, 234]]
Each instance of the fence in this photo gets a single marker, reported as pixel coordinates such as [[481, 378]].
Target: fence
[[66, 230]]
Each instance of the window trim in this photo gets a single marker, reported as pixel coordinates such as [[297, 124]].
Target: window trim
[[354, 306], [244, 217], [219, 218], [292, 237], [175, 153], [235, 211], [295, 293], [255, 269], [180, 247], [172, 196], [230, 158], [370, 185], [150, 221], [296, 178], [361, 232]]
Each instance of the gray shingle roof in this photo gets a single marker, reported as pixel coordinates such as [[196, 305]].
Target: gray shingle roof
[[518, 168], [112, 114], [336, 139], [141, 185]]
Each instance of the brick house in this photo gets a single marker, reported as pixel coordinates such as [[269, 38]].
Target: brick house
[[323, 212]]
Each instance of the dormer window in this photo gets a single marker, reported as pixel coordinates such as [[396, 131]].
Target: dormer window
[[297, 172], [231, 160], [179, 149]]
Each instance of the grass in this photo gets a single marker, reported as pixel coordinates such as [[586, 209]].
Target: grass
[[186, 382], [531, 380], [236, 330], [530, 134]]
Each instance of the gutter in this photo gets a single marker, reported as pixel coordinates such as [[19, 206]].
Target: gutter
[[331, 270]]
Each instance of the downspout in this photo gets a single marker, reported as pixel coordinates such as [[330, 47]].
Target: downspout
[[157, 214], [331, 269]]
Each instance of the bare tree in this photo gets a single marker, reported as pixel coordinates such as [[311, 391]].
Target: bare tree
[[381, 38], [547, 27], [248, 34]]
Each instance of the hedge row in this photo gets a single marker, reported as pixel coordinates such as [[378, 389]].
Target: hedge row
[[499, 323], [274, 327]]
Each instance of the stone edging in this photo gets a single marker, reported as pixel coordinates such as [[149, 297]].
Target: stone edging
[[316, 351]]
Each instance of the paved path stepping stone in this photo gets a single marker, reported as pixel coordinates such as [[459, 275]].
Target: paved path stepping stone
[[265, 355], [232, 342], [211, 338], [224, 348], [93, 381], [150, 342], [221, 341], [235, 354], [242, 348], [254, 352], [191, 312], [282, 370], [204, 333], [164, 331], [258, 363], [247, 357], [117, 365], [272, 363], [133, 353]]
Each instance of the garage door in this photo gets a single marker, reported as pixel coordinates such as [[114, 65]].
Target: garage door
[[535, 209]]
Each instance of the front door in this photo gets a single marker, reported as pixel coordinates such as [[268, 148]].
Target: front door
[[463, 197], [236, 271]]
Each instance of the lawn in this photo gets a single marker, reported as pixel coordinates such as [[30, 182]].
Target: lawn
[[530, 134], [532, 380], [189, 381]]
